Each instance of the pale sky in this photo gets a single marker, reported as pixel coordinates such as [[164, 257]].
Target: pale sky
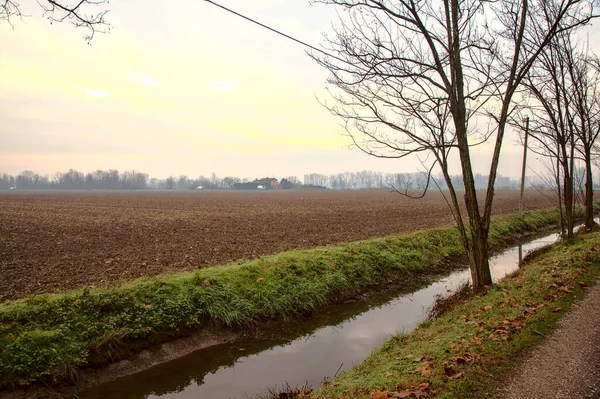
[[178, 88]]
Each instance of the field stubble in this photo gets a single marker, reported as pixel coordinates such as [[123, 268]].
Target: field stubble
[[56, 241]]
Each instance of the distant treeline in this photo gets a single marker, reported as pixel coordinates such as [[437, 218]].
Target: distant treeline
[[133, 180], [400, 181]]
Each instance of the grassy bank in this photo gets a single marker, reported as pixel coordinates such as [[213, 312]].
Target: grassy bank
[[47, 337], [457, 355]]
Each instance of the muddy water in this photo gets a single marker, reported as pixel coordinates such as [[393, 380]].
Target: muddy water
[[305, 352]]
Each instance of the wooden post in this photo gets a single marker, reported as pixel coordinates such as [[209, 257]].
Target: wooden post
[[524, 166]]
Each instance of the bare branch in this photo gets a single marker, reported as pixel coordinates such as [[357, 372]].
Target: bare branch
[[87, 14]]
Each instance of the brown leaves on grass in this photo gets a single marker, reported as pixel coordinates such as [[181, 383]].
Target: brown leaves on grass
[[451, 373], [259, 280], [462, 359], [425, 366], [379, 394], [425, 358], [420, 391], [424, 369]]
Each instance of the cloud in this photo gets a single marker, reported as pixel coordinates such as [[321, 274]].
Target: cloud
[[143, 79], [96, 93], [224, 85]]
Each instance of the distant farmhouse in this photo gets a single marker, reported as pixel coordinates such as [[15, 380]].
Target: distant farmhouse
[[268, 183]]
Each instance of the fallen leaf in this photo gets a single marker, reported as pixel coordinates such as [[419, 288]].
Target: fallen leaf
[[379, 395], [258, 280], [409, 355], [388, 374], [206, 283], [402, 394], [488, 307], [424, 371], [422, 390], [556, 310], [465, 358], [477, 340], [147, 306]]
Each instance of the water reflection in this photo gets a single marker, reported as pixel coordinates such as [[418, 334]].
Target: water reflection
[[300, 352]]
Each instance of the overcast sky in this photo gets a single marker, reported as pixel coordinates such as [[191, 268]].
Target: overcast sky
[[178, 88]]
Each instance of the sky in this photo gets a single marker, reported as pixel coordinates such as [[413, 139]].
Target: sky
[[180, 88]]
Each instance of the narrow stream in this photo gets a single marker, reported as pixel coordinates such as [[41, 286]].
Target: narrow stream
[[305, 352]]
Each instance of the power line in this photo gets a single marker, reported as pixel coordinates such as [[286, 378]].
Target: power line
[[273, 30]]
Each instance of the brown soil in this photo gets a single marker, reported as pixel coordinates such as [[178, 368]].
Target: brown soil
[[56, 241]]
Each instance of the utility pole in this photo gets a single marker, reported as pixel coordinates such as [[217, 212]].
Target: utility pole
[[524, 166]]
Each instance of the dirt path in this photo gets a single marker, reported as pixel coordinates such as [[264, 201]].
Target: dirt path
[[567, 364]]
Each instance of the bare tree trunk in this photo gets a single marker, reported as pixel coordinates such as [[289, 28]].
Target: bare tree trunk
[[478, 258], [589, 190], [561, 215], [569, 208], [568, 194]]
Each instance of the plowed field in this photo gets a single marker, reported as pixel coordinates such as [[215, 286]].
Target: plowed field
[[55, 241]]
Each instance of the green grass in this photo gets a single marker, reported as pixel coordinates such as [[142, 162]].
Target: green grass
[[48, 337], [457, 355]]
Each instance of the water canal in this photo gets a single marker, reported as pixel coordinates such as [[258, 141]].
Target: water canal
[[298, 353]]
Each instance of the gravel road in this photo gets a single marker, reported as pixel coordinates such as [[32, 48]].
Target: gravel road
[[567, 364]]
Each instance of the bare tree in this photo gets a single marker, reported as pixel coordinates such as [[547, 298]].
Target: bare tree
[[552, 129], [88, 14], [564, 86], [584, 70], [419, 76]]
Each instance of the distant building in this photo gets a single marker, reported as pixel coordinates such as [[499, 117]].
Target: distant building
[[285, 184], [270, 183], [267, 183]]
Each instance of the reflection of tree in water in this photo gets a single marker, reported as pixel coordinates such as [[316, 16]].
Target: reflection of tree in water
[[520, 255], [175, 376]]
